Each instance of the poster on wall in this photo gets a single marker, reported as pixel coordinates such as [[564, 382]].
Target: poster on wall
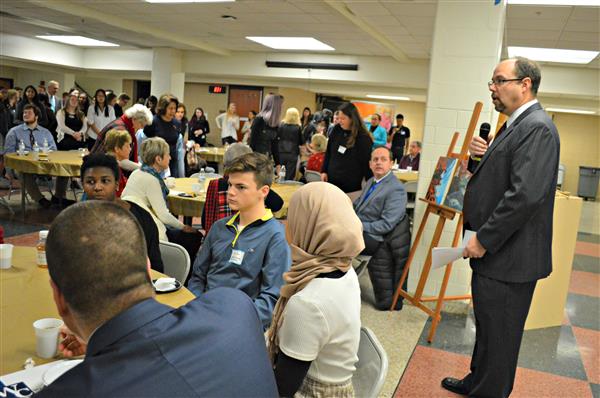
[[367, 108], [442, 176], [456, 194]]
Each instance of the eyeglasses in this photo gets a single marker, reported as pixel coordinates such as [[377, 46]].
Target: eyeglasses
[[500, 82]]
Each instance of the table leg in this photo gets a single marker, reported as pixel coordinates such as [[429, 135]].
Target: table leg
[[23, 193]]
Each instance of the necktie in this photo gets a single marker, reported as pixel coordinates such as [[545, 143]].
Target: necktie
[[499, 133], [31, 137], [370, 191]]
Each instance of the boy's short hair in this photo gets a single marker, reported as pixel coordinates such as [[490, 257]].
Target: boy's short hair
[[256, 163], [100, 160]]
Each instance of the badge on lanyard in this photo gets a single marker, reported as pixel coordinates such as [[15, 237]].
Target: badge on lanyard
[[342, 149], [237, 256]]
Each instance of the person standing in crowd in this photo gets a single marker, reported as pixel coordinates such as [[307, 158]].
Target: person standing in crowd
[[378, 132], [72, 124], [30, 97], [84, 102], [121, 103], [5, 117], [53, 100], [289, 136], [247, 127], [134, 345], [146, 188], [111, 100], [135, 118], [263, 136], [151, 103], [99, 116], [314, 337], [413, 157], [181, 122], [229, 123], [13, 99], [348, 153], [52, 123], [509, 203], [400, 135], [198, 127], [335, 122], [306, 117], [163, 126]]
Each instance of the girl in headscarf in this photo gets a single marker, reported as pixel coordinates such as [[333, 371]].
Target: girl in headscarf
[[315, 332]]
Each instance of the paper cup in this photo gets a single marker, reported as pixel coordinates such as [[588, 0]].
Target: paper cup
[[6, 250], [46, 336], [171, 182], [197, 188]]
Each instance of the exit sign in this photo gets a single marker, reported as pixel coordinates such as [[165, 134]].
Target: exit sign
[[214, 89]]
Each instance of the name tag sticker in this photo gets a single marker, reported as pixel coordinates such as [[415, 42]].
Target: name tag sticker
[[342, 149], [237, 256], [402, 132]]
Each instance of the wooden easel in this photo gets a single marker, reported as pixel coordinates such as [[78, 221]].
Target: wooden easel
[[444, 213]]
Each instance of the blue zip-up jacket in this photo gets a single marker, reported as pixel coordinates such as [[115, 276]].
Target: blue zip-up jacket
[[379, 134], [266, 256]]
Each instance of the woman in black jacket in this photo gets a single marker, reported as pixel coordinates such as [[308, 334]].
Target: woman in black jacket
[[348, 152], [289, 136], [198, 127], [164, 126], [263, 134]]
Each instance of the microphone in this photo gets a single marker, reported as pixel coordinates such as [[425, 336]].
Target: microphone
[[484, 132]]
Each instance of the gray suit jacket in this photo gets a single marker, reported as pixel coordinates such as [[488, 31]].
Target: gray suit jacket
[[383, 209], [509, 200]]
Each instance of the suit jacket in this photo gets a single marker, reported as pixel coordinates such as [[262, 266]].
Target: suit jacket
[[211, 347], [509, 200], [383, 209]]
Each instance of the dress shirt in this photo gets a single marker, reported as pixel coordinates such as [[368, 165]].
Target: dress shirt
[[23, 132], [519, 111]]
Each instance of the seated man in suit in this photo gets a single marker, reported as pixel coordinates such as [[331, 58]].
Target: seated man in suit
[[248, 250], [134, 346], [382, 203]]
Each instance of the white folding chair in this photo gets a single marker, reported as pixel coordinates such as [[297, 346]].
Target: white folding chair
[[312, 176], [176, 260], [372, 366]]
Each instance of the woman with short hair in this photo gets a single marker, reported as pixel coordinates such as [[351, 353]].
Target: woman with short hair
[[118, 145], [315, 333], [289, 137], [164, 126]]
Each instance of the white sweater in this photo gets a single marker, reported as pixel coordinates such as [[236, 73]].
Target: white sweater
[[144, 190], [228, 126]]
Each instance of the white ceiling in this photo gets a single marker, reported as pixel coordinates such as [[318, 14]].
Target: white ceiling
[[408, 24]]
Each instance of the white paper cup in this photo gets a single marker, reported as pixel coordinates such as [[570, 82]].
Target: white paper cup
[[46, 336], [6, 250], [409, 168]]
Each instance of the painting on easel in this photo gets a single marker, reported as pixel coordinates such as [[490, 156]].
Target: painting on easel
[[444, 170], [456, 194]]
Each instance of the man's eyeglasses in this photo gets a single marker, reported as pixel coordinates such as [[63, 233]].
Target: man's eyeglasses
[[500, 82]]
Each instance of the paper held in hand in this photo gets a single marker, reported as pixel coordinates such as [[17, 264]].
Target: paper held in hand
[[441, 256]]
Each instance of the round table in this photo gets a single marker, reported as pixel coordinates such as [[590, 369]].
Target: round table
[[25, 296], [211, 154], [59, 163], [192, 207], [406, 176]]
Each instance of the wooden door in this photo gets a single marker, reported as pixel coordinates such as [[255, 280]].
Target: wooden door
[[246, 99]]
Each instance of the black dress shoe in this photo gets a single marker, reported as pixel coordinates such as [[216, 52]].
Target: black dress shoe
[[45, 203], [455, 385]]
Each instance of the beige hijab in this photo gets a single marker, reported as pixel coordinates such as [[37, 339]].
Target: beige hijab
[[324, 235]]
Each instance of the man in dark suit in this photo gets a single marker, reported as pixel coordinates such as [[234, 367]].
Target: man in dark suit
[[382, 203], [509, 202], [136, 347]]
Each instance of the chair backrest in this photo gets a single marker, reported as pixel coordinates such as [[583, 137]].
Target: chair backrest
[[372, 366], [410, 186], [312, 176], [176, 260]]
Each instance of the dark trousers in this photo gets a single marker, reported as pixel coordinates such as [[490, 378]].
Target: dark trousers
[[371, 245], [228, 140], [500, 312], [290, 161], [68, 143]]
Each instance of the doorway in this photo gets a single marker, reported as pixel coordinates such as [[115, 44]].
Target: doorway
[[246, 99]]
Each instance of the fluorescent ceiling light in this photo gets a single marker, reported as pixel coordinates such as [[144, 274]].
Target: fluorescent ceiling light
[[564, 110], [79, 41], [588, 3], [189, 1], [291, 43], [553, 55], [388, 97]]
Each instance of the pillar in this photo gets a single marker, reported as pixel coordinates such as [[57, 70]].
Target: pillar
[[167, 75]]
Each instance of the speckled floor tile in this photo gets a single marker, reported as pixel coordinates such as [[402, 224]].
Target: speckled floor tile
[[588, 342], [429, 366]]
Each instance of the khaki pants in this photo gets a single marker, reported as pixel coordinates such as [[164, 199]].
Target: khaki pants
[[34, 191]]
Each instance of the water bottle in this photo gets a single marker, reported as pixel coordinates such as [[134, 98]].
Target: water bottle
[[21, 150], [45, 147], [282, 174], [201, 176], [36, 150]]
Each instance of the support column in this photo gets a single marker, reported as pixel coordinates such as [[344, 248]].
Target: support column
[[466, 47], [167, 76]]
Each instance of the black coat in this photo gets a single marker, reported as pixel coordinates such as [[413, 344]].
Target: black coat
[[387, 264]]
